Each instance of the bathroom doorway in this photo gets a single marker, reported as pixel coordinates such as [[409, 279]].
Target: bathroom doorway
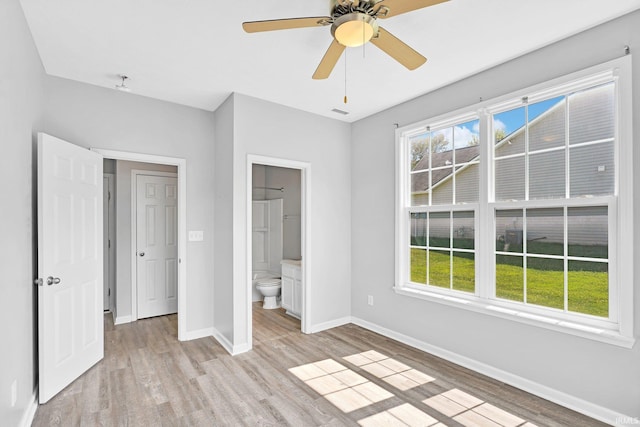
[[277, 203]]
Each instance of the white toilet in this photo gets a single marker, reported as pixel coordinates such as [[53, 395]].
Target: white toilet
[[270, 289]]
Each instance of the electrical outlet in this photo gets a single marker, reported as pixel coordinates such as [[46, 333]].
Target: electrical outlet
[[370, 300], [14, 393]]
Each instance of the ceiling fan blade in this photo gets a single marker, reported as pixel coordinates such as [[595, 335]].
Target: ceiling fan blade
[[284, 24], [328, 61], [397, 7], [397, 49]]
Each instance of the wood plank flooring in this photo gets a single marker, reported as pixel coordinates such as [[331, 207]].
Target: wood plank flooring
[[340, 377]]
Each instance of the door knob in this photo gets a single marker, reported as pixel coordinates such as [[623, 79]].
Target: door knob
[[53, 280], [141, 254]]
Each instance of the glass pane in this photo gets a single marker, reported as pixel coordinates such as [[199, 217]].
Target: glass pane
[[545, 282], [418, 229], [547, 124], [509, 230], [510, 179], [418, 267], [545, 231], [439, 268], [441, 142], [467, 183], [588, 287], [592, 114], [508, 129], [466, 137], [420, 189], [592, 170], [588, 231], [464, 272], [463, 230], [547, 175], [442, 186], [419, 154], [509, 277], [440, 229]]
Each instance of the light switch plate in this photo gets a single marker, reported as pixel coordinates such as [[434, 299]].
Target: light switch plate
[[196, 236]]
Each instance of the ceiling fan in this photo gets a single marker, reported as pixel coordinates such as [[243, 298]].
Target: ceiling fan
[[354, 23]]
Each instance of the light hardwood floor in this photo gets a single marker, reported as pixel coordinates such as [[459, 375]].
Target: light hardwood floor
[[343, 376]]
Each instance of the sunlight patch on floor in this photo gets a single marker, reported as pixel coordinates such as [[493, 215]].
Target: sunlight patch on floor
[[396, 373], [403, 415], [349, 391], [346, 389], [470, 411]]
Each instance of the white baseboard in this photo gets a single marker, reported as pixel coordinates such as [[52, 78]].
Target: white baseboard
[[199, 333], [572, 402], [226, 344], [30, 412], [319, 327], [122, 319]]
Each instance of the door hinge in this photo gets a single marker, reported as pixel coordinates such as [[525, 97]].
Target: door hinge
[[109, 198], [38, 282], [109, 243], [109, 292]]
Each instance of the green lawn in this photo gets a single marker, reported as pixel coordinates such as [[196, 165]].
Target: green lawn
[[587, 283]]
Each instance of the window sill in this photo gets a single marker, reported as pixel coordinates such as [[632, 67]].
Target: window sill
[[608, 336]]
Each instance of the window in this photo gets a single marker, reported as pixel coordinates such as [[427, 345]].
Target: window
[[444, 174], [519, 206]]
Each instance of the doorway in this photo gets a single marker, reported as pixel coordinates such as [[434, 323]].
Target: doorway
[[290, 181], [128, 299]]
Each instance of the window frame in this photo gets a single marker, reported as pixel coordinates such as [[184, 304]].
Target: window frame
[[618, 328]]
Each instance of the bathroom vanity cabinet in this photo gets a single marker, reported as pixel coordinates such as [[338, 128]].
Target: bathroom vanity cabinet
[[292, 287]]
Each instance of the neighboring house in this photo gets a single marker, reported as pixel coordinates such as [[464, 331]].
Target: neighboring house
[[547, 133]]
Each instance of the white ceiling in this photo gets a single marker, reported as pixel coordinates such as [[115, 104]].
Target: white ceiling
[[195, 52]]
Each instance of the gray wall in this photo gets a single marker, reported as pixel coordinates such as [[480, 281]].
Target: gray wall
[[21, 94], [109, 166], [123, 230], [264, 128], [223, 245], [603, 374], [97, 117]]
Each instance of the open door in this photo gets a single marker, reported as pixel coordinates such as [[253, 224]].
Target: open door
[[70, 292]]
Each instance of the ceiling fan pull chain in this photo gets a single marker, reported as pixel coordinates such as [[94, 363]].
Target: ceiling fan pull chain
[[345, 76], [363, 36]]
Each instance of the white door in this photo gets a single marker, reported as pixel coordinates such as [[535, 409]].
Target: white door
[[70, 323], [156, 245]]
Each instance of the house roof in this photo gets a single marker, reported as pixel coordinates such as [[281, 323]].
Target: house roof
[[420, 181]]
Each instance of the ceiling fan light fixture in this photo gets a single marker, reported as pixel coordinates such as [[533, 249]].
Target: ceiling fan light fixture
[[354, 29]]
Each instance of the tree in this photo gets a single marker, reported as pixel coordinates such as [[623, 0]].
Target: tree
[[421, 147]]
